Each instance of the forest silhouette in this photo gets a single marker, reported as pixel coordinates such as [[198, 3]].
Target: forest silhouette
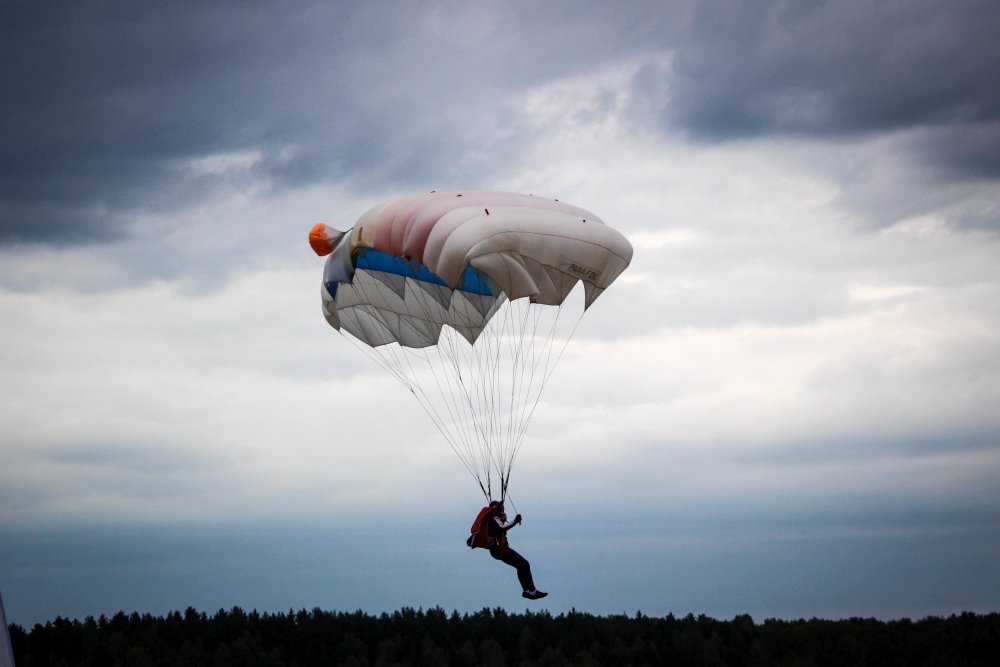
[[496, 637]]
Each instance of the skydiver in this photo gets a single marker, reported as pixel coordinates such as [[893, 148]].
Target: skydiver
[[496, 528]]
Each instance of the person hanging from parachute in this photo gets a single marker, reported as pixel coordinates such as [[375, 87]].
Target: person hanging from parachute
[[490, 531], [458, 295]]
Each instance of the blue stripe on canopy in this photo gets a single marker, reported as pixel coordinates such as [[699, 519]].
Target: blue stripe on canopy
[[374, 260]]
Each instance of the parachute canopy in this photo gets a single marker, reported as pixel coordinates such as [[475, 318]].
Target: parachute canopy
[[491, 267]]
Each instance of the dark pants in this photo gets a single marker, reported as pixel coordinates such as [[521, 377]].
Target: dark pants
[[515, 560]]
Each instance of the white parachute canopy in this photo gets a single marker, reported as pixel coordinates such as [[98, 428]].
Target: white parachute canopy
[[462, 297]]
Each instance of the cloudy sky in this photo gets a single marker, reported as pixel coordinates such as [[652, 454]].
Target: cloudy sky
[[785, 407]]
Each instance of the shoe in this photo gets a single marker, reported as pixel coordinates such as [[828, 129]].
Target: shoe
[[533, 595]]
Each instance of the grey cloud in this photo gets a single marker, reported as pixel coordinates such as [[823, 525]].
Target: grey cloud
[[970, 151], [836, 67], [103, 102], [131, 458], [133, 471], [102, 105]]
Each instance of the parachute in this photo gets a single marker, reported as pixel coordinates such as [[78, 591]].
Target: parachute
[[460, 296]]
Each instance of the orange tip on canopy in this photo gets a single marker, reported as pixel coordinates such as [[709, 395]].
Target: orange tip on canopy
[[322, 240]]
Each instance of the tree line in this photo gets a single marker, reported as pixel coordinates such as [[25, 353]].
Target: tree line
[[496, 637]]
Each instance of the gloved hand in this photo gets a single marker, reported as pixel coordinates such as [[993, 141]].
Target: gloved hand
[[517, 519]]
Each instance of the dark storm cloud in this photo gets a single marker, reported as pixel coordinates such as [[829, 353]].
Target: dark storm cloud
[[843, 68], [103, 104], [102, 100]]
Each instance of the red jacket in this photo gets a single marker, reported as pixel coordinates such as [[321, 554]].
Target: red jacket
[[480, 533], [485, 535]]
